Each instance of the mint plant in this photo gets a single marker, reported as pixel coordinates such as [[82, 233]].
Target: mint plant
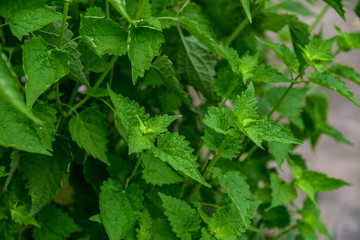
[[138, 119]]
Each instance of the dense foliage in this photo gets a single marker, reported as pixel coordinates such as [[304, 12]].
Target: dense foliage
[[164, 119]]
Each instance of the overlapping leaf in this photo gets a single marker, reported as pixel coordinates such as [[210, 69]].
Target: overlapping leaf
[[282, 193]]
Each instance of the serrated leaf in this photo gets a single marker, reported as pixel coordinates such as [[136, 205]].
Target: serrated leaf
[[9, 228], [197, 63], [9, 89], [281, 193], [145, 222], [19, 132], [157, 172], [213, 141], [238, 190], [321, 182], [205, 235], [174, 150], [51, 216], [217, 119], [284, 53], [181, 216], [247, 65], [348, 41], [337, 6], [245, 105], [27, 16], [19, 215], [164, 68], [158, 124], [280, 152], [267, 74], [138, 141], [329, 80], [143, 45], [317, 53], [246, 6], [345, 72], [307, 232], [89, 130], [225, 77], [43, 175], [103, 35], [226, 223], [119, 208], [51, 34], [161, 230], [46, 132], [43, 67]]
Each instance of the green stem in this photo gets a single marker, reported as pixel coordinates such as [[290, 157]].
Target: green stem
[[15, 156], [63, 25], [134, 170], [107, 9], [58, 101], [281, 99], [120, 9], [107, 104], [208, 168], [318, 18], [143, 6], [284, 232], [168, 18], [78, 37], [70, 107], [96, 85], [2, 25], [208, 204]]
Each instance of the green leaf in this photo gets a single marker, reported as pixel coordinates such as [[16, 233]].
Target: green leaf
[[145, 222], [119, 208], [317, 53], [284, 53], [3, 173], [103, 35], [138, 141], [348, 41], [329, 80], [174, 150], [197, 63], [307, 232], [43, 67], [19, 132], [281, 193], [247, 65], [246, 5], [181, 216], [158, 124], [161, 230], [8, 229], [143, 45], [225, 77], [157, 172], [164, 68], [51, 216], [226, 223], [27, 16], [9, 89], [51, 34], [245, 105], [321, 182], [89, 130], [217, 119], [19, 215], [266, 74], [238, 190], [205, 235], [280, 152], [120, 6], [308, 189], [337, 6], [345, 72]]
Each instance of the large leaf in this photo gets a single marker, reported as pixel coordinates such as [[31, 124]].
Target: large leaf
[[143, 45], [238, 190], [89, 130], [119, 208], [43, 67], [27, 16], [51, 216], [197, 63], [329, 80], [19, 132], [174, 150], [164, 68], [103, 35], [181, 216], [9, 89], [281, 193]]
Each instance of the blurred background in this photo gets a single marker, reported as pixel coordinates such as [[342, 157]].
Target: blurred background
[[340, 209]]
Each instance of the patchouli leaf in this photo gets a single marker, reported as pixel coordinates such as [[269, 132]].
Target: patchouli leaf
[[246, 5], [267, 74], [119, 208], [337, 6], [51, 216], [345, 72], [43, 67], [217, 119], [280, 152], [282, 193], [181, 216], [89, 130], [174, 150], [245, 106], [329, 80], [321, 182]]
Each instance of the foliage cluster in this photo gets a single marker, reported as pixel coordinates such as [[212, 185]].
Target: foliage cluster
[[164, 119]]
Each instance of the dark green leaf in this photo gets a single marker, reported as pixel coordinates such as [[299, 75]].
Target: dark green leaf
[[281, 193], [337, 6]]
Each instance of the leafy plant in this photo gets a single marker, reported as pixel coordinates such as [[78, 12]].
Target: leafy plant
[[138, 119]]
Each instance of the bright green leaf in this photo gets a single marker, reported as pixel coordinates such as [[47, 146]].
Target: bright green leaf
[[217, 119], [266, 74], [280, 152], [245, 106], [321, 182], [345, 72], [282, 193], [247, 65]]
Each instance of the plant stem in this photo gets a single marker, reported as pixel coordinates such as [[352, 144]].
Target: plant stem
[[142, 9], [318, 18], [78, 37], [281, 99], [107, 9], [58, 101], [63, 25], [134, 170], [208, 168], [284, 232], [107, 104], [123, 12], [209, 204], [2, 25], [96, 85]]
